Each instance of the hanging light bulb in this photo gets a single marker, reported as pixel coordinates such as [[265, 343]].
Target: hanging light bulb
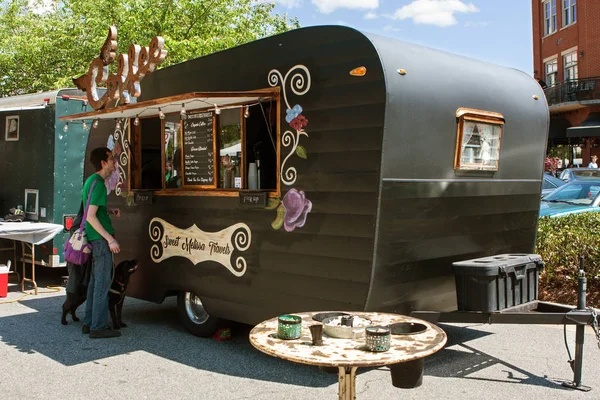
[[217, 110], [66, 128], [247, 112], [136, 121], [161, 114], [118, 125], [84, 126], [183, 113], [95, 124]]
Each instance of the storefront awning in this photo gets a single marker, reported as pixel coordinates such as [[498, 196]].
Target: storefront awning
[[589, 127], [558, 128], [174, 104]]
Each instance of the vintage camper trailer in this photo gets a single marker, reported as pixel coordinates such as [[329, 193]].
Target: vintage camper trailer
[[320, 169], [42, 164]]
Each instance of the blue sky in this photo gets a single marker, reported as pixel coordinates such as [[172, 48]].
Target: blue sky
[[490, 30]]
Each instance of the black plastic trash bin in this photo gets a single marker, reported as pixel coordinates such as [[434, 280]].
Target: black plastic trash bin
[[493, 283]]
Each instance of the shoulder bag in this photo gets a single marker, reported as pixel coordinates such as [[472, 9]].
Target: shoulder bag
[[77, 248]]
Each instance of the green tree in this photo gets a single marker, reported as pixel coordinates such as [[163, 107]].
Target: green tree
[[45, 43]]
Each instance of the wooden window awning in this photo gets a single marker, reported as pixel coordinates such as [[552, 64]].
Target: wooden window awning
[[173, 104]]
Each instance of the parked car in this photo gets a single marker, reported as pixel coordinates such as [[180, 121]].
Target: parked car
[[571, 174], [581, 195], [550, 184]]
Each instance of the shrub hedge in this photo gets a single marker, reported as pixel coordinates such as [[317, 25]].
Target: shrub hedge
[[560, 242]]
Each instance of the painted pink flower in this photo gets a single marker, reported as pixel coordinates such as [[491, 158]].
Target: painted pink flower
[[112, 181], [297, 207], [117, 149], [299, 122]]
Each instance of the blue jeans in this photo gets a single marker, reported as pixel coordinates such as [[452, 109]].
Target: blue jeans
[[96, 305]]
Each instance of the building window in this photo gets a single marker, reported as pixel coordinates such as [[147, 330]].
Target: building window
[[549, 17], [551, 72], [569, 12], [570, 66]]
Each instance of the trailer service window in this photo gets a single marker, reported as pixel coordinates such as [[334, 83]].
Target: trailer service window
[[216, 150], [478, 140]]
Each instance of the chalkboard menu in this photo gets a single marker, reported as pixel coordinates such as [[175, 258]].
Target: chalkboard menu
[[198, 150]]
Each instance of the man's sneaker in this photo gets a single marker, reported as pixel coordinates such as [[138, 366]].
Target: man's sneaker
[[104, 333], [85, 329]]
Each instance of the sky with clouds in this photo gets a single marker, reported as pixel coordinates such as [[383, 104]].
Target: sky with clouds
[[490, 30]]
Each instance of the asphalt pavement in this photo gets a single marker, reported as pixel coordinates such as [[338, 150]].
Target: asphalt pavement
[[157, 359]]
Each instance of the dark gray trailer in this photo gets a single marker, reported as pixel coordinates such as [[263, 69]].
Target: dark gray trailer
[[322, 169]]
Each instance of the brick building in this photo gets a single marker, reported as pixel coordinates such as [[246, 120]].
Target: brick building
[[566, 59]]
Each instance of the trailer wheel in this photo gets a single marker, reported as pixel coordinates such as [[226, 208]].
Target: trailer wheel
[[194, 316]]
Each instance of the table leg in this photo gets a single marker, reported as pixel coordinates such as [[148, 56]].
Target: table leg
[[347, 383], [24, 278]]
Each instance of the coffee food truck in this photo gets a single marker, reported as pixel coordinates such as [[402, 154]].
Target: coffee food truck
[[319, 169]]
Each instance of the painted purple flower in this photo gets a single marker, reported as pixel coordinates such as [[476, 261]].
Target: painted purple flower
[[299, 122], [297, 206], [292, 113]]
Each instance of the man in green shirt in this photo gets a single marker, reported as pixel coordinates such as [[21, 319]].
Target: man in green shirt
[[100, 234]]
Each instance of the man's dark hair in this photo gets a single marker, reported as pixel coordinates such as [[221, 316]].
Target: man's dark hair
[[97, 156]]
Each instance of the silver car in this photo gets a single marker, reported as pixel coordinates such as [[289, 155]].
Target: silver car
[[571, 174]]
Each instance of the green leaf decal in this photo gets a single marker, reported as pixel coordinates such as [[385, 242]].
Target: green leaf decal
[[278, 223], [272, 204], [301, 152]]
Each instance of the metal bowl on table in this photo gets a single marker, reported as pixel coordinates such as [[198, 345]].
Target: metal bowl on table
[[334, 327]]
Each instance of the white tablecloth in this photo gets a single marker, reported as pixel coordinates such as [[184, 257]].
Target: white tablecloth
[[30, 232]]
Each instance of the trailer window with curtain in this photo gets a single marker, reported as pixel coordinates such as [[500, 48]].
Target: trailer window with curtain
[[478, 139]]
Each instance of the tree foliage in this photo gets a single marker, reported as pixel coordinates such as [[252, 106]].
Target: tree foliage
[[45, 43], [560, 242]]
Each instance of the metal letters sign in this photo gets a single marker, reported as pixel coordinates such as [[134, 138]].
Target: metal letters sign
[[131, 69]]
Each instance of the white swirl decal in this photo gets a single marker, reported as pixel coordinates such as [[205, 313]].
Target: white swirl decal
[[198, 246], [299, 82]]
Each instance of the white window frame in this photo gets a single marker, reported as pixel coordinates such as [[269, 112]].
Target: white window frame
[[570, 65], [551, 70], [569, 12], [549, 14]]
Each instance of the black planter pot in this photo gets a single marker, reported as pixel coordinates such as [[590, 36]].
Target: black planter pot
[[407, 375]]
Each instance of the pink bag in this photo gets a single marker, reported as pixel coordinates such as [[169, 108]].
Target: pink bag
[[77, 248]]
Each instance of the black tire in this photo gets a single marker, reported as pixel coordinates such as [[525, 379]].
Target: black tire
[[194, 316]]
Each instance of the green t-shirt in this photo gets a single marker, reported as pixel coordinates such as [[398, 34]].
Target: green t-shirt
[[98, 198]]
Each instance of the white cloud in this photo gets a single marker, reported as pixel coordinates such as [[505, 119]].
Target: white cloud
[[390, 28], [285, 3], [289, 3], [370, 15], [434, 12], [328, 6]]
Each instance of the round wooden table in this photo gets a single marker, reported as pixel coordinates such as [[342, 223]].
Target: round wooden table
[[348, 354]]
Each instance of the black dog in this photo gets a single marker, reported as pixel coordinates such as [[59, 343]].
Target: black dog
[[116, 294]]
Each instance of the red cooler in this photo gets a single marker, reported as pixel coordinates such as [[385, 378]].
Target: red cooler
[[4, 280]]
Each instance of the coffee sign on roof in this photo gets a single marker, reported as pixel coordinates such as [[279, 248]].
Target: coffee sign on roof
[[131, 69]]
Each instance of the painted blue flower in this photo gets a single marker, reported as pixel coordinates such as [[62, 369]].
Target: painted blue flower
[[111, 143], [292, 113]]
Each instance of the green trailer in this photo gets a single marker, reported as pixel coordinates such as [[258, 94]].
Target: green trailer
[[42, 162]]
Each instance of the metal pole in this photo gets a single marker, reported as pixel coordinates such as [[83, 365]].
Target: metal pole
[[580, 331]]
